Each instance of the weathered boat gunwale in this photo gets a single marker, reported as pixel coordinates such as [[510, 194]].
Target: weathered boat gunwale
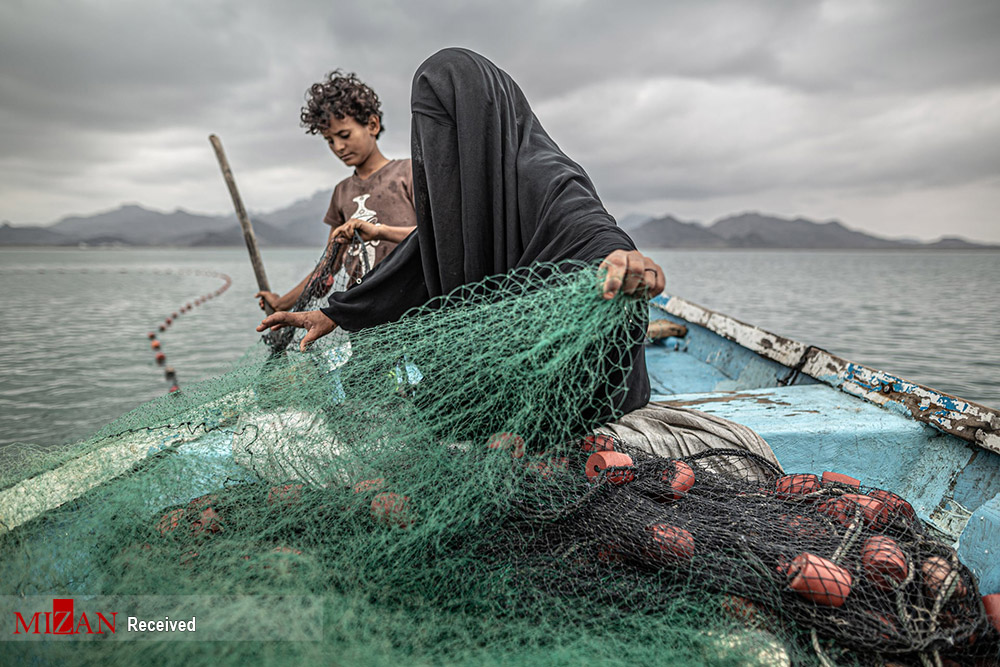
[[977, 424]]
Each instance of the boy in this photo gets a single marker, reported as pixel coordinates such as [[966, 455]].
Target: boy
[[376, 201]]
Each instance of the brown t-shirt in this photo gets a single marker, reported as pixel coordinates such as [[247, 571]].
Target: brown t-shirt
[[385, 197]]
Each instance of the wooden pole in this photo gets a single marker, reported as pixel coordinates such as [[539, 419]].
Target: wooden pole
[[241, 214]]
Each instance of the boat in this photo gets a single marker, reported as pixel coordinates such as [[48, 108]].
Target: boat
[[820, 412]]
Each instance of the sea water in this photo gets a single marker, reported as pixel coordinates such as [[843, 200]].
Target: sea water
[[74, 353]]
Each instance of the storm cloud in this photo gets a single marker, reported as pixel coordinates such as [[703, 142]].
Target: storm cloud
[[883, 114]]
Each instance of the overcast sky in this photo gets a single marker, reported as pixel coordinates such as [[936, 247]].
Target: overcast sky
[[882, 114]]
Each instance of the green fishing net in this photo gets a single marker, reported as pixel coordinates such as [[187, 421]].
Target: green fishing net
[[438, 484]]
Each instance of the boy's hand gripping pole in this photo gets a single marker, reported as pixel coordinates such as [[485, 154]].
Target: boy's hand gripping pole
[[241, 214]]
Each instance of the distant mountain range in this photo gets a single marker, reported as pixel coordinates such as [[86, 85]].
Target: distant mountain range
[[754, 230], [301, 225]]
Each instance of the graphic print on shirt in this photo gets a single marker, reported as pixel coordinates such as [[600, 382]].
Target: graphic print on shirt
[[368, 215]]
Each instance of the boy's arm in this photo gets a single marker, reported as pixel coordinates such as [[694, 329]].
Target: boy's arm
[[369, 231]]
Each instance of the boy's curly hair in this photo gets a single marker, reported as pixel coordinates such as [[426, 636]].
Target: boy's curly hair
[[342, 95]]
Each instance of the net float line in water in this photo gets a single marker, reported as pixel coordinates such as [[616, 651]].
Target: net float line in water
[[156, 344]]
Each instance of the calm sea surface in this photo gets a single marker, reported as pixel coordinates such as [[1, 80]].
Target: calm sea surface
[[74, 353]]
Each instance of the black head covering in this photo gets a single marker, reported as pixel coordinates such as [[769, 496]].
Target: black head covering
[[492, 192]]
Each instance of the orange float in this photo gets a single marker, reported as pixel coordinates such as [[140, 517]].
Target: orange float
[[206, 523], [671, 541], [391, 509], [368, 485], [819, 580], [894, 504], [884, 562], [677, 481], [155, 345], [618, 467], [598, 442], [206, 519], [874, 511], [170, 521], [991, 603], [160, 358], [790, 487], [511, 441], [935, 571], [285, 494], [843, 509]]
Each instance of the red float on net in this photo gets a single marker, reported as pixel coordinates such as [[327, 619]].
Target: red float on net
[[884, 562], [509, 441], [392, 509], [992, 605], [894, 504], [170, 521], [819, 580], [936, 572], [671, 541], [791, 487], [844, 508], [618, 466], [598, 442], [367, 485], [285, 494], [678, 480]]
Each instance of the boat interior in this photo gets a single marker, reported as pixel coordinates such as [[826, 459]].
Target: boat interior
[[827, 421]]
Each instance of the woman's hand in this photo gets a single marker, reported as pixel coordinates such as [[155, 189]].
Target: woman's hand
[[366, 230], [632, 273], [314, 322]]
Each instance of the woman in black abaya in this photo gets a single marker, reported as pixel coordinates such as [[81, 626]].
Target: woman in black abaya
[[492, 192]]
